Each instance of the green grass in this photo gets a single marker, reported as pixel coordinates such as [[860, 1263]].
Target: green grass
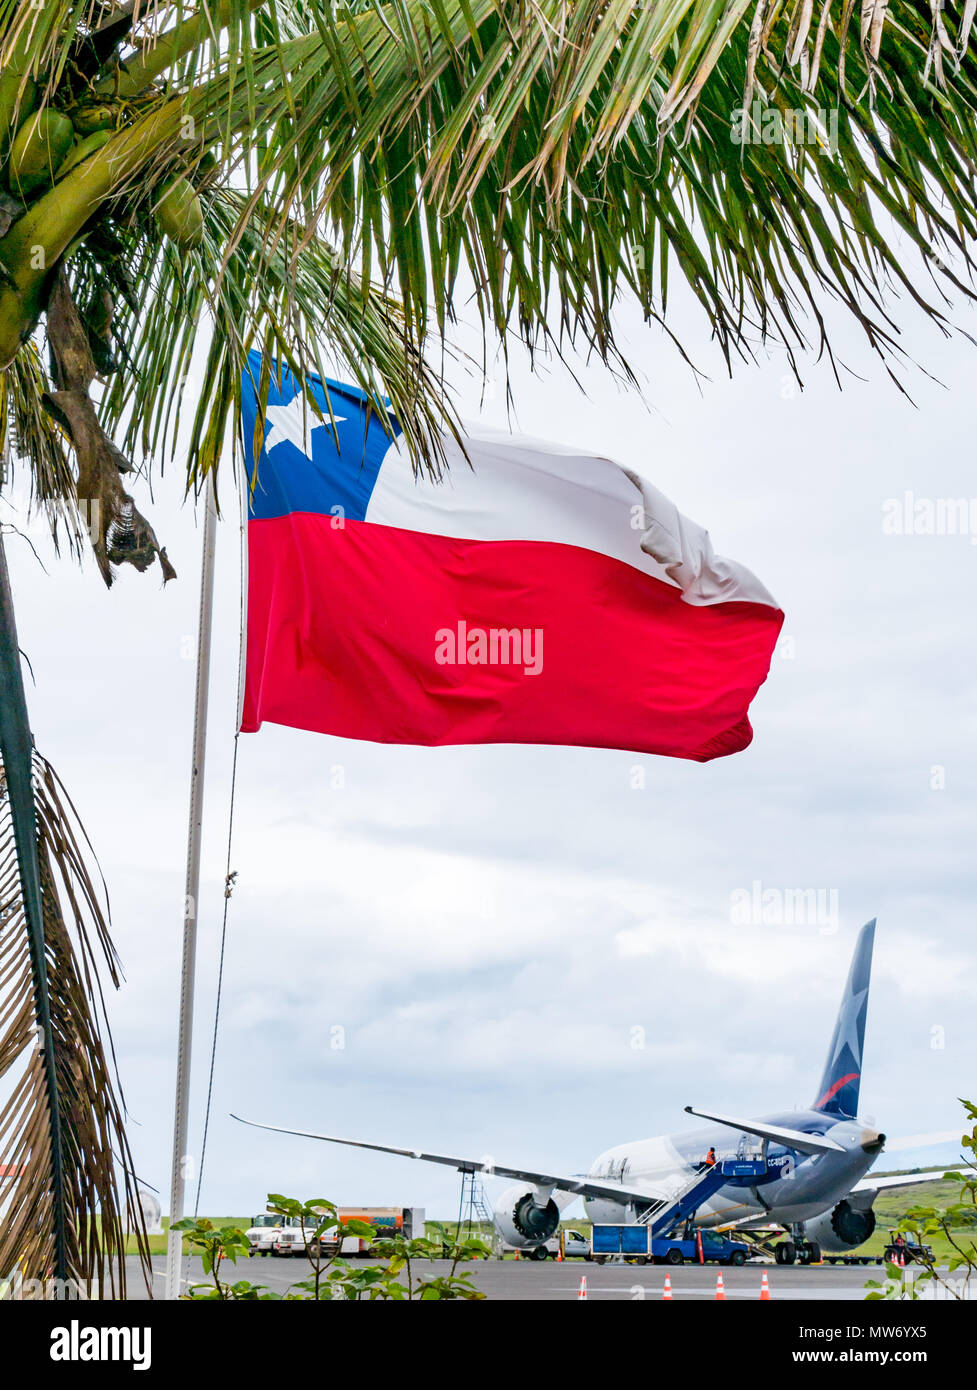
[[157, 1244], [890, 1207]]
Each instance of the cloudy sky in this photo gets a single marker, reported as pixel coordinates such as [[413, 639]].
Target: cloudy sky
[[531, 952]]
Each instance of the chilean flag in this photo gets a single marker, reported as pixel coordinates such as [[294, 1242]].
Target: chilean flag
[[538, 594]]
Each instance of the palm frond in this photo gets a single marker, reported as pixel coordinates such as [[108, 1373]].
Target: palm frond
[[544, 150], [306, 309], [63, 1147], [569, 152], [30, 433]]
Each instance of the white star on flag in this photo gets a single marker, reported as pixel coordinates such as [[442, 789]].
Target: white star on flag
[[294, 422]]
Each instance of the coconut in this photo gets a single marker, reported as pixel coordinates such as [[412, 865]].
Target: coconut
[[13, 87], [207, 166], [39, 148], [88, 119], [179, 214]]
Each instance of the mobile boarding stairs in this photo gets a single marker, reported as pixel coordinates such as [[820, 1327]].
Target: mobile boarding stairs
[[664, 1215]]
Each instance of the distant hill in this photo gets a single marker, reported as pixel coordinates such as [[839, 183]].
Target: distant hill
[[901, 1172]]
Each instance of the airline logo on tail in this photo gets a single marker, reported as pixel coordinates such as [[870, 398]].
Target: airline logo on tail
[[843, 1069]]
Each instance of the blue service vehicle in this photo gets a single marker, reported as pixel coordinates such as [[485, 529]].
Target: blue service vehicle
[[653, 1238], [637, 1243]]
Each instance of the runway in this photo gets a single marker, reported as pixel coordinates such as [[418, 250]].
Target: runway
[[527, 1281]]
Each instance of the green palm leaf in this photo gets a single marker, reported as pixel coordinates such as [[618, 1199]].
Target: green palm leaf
[[62, 1131]]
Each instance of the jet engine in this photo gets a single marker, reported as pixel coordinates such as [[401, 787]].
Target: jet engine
[[521, 1220], [841, 1228]]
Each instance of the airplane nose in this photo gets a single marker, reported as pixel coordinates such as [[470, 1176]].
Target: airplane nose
[[872, 1141]]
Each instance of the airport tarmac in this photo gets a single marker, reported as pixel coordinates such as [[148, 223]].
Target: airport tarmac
[[528, 1281]]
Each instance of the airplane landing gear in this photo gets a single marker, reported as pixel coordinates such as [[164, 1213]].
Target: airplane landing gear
[[796, 1247]]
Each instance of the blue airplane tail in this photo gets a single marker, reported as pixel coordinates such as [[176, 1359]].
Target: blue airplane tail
[[838, 1092]]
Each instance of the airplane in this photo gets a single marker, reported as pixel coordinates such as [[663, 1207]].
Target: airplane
[[804, 1171]]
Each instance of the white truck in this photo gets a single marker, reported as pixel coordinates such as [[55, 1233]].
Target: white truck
[[567, 1244], [263, 1233], [290, 1240]]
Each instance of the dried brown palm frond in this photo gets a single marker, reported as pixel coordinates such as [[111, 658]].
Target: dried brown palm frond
[[70, 1180]]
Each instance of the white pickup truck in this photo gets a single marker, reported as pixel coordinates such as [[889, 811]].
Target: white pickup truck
[[291, 1242], [568, 1243]]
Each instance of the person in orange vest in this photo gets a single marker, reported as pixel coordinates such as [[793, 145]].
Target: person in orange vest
[[711, 1158]]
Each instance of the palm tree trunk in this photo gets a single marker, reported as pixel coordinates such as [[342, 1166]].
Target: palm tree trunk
[[16, 748]]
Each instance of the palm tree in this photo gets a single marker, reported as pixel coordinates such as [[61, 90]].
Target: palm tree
[[313, 176]]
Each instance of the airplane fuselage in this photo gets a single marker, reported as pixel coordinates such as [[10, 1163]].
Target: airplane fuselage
[[797, 1188]]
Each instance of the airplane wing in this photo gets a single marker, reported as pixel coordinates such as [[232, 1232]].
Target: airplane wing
[[870, 1184], [922, 1141], [580, 1186], [865, 1191], [793, 1138]]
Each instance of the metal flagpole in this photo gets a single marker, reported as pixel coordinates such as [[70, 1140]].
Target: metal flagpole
[[181, 1158]]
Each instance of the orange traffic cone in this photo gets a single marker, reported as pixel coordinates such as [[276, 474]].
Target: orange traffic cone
[[720, 1288], [517, 1252], [764, 1286], [668, 1288], [582, 1291]]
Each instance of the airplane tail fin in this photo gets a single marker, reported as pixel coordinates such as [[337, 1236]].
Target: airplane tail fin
[[838, 1092]]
